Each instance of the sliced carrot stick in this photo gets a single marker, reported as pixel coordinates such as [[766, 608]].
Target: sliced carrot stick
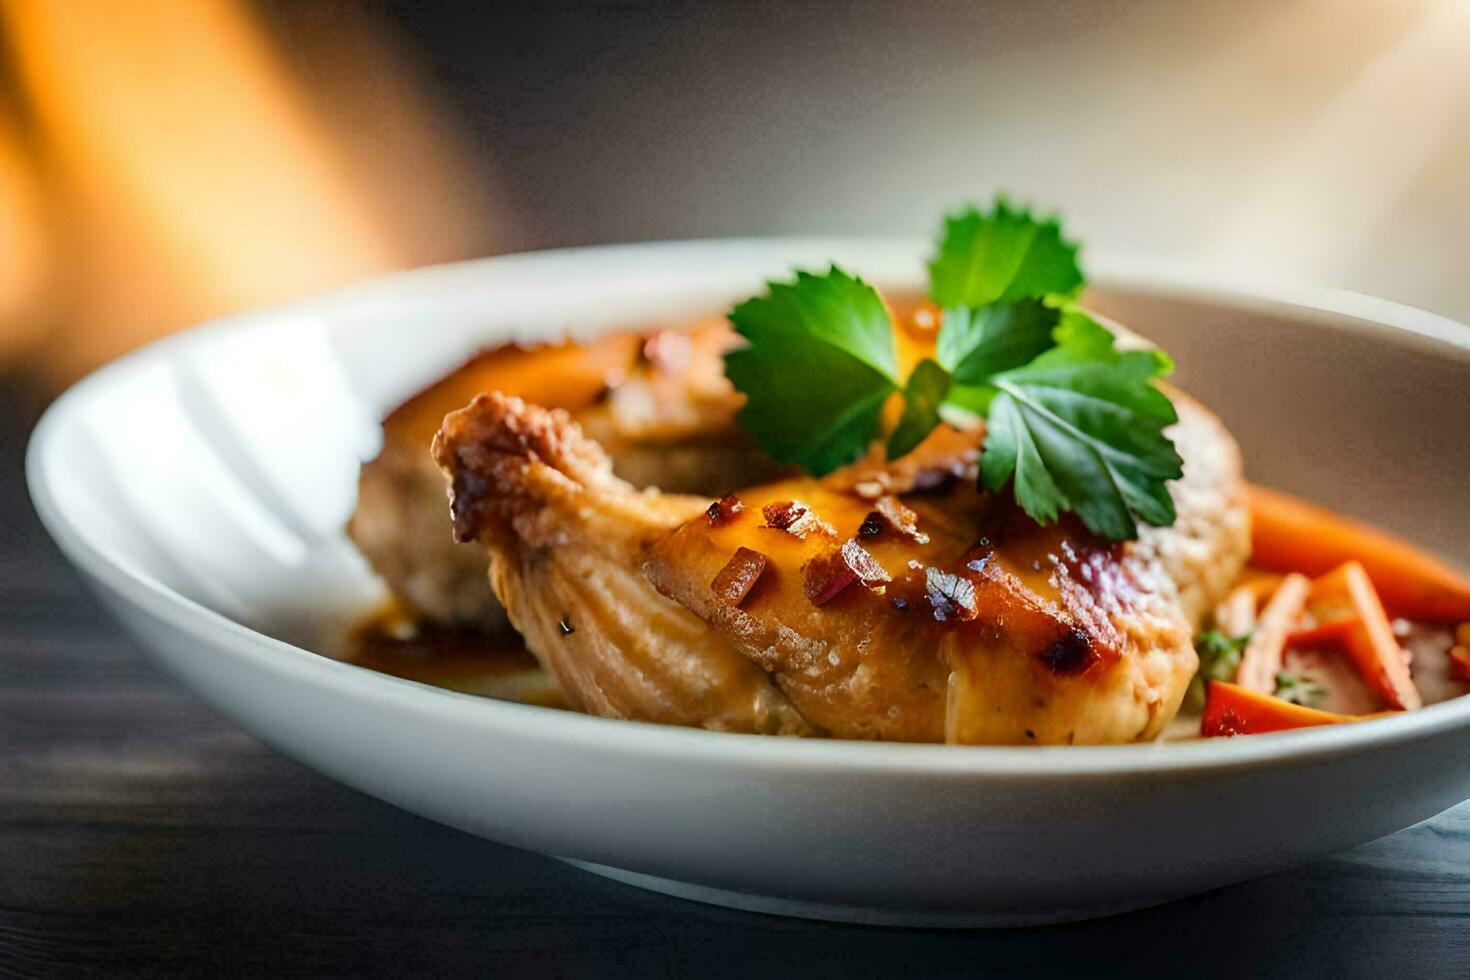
[[1233, 710], [1236, 614], [1260, 662], [1290, 535], [1347, 595], [1333, 634]]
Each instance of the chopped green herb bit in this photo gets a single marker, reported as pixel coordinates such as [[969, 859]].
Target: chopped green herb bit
[[1219, 660], [1300, 690]]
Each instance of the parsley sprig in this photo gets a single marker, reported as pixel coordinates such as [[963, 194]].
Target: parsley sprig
[[1072, 422]]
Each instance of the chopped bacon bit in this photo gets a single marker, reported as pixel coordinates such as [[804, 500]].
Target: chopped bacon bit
[[794, 517], [951, 596], [901, 519], [737, 578], [869, 572], [827, 575], [892, 515], [784, 513], [1070, 655], [724, 510]]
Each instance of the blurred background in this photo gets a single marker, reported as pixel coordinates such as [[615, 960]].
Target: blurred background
[[165, 161]]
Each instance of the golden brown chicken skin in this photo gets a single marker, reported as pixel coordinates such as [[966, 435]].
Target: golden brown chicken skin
[[657, 402], [883, 602], [979, 626], [566, 540]]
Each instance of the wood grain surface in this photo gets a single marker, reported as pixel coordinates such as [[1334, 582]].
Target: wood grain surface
[[142, 834]]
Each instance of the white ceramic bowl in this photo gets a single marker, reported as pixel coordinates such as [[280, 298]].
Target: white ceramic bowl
[[201, 486]]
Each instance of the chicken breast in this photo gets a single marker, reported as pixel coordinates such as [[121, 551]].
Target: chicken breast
[[883, 602], [657, 402], [976, 624]]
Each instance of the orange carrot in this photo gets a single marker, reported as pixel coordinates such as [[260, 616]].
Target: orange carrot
[[1260, 661], [1334, 634], [1262, 585], [1232, 710], [1290, 535], [1347, 595]]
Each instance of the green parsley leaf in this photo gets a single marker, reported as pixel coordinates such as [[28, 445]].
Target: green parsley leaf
[[999, 256], [1080, 428], [1074, 424], [1012, 451], [922, 396], [817, 368], [976, 343], [1219, 660], [1299, 690]]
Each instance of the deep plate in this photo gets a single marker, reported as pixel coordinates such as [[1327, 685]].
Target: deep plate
[[201, 486]]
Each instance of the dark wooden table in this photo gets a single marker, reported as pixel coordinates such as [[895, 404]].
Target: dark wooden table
[[140, 832]]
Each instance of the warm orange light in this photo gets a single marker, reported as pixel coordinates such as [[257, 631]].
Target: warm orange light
[[22, 246], [192, 174]]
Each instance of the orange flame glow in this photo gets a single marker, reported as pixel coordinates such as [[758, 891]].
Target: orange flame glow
[[190, 173]]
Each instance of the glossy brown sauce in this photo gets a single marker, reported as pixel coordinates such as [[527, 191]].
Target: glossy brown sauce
[[490, 665]]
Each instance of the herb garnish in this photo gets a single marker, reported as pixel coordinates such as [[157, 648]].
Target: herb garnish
[[1219, 660], [1073, 423], [819, 365], [1300, 690], [1001, 256]]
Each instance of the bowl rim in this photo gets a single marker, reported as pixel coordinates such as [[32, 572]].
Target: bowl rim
[[1337, 308]]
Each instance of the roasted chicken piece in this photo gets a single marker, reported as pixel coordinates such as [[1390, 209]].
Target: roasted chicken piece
[[891, 603], [658, 403], [566, 539]]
